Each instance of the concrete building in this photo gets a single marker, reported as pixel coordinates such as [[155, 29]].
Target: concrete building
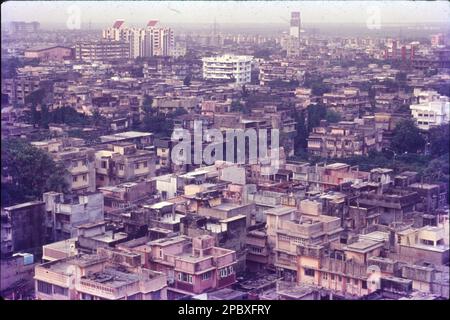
[[98, 277], [23, 228], [150, 41], [124, 163], [192, 266], [228, 67], [431, 110], [66, 213], [287, 228], [101, 50], [56, 53], [345, 139]]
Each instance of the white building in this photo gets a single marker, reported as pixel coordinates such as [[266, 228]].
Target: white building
[[228, 67], [150, 41], [431, 110]]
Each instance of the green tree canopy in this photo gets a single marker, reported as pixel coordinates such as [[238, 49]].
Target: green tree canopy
[[440, 140], [27, 172], [407, 137]]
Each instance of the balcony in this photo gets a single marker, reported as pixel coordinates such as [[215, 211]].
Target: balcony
[[184, 286]]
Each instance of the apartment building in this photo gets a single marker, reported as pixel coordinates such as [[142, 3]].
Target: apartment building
[[22, 228], [345, 139], [80, 165], [103, 50], [64, 213], [123, 163], [150, 41], [192, 266], [228, 67], [99, 277], [349, 102], [431, 109], [287, 228], [20, 87], [344, 272]]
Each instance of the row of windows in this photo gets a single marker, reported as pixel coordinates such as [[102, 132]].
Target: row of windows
[[339, 278], [137, 165], [46, 288], [185, 277], [206, 275], [80, 163], [83, 177], [426, 114], [225, 272]]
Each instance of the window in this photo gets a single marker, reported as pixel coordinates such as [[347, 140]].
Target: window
[[83, 162], [60, 290], [145, 164], [325, 276], [136, 165], [103, 164], [206, 275], [44, 287], [121, 167], [309, 272], [332, 277], [364, 284], [74, 178], [427, 242], [355, 282], [339, 278], [84, 177], [256, 250], [185, 277]]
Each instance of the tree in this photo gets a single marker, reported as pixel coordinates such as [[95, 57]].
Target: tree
[[315, 114], [147, 104], [187, 80], [36, 97], [439, 138], [300, 142], [332, 117], [28, 172], [407, 137], [97, 117]]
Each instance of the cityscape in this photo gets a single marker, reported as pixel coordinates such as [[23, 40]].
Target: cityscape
[[184, 150]]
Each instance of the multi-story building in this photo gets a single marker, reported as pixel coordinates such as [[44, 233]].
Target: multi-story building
[[65, 213], [349, 102], [228, 67], [431, 110], [23, 27], [287, 228], [345, 139], [56, 53], [23, 228], [108, 275], [102, 50], [17, 89], [192, 266], [123, 163], [143, 42], [80, 165]]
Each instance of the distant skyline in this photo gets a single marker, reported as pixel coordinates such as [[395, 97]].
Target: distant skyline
[[227, 12]]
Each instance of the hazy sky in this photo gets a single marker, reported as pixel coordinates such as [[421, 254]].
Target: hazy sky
[[139, 12]]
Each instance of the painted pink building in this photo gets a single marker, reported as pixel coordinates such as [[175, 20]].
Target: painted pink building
[[192, 266]]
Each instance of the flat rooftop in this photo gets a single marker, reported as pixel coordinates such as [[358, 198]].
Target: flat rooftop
[[281, 210], [364, 245]]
